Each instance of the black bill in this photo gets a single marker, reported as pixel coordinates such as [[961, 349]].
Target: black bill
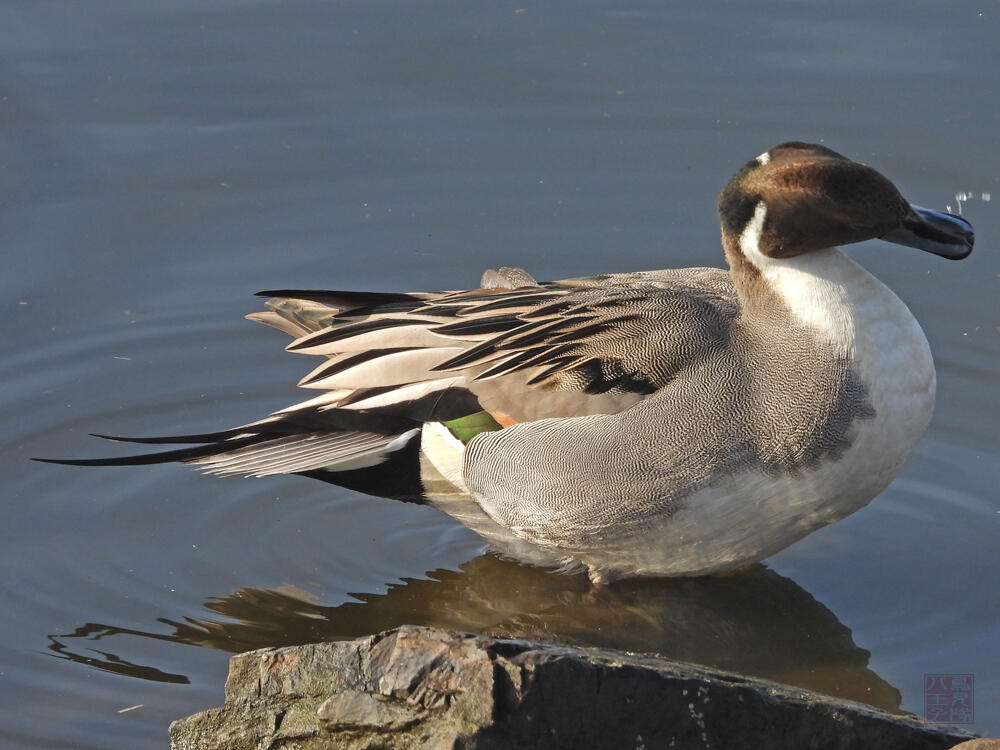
[[936, 232]]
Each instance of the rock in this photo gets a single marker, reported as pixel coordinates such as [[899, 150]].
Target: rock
[[422, 687], [983, 743], [354, 710]]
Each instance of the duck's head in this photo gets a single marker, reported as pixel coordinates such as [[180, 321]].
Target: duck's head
[[800, 197]]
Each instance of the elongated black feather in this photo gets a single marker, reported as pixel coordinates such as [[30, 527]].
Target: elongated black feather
[[518, 300], [562, 307], [417, 308], [560, 364], [342, 299], [468, 356], [335, 366], [511, 363], [353, 329], [548, 354], [162, 457], [205, 437], [382, 421], [581, 333], [539, 332], [380, 309], [475, 295], [479, 326]]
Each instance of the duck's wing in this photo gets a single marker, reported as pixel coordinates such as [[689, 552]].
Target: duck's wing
[[556, 349], [516, 349]]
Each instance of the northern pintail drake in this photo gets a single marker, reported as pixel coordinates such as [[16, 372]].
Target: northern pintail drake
[[654, 423]]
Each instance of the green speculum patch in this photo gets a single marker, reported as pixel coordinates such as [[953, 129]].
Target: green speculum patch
[[467, 427]]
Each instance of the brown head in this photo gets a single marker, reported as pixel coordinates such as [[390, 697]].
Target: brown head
[[807, 197]]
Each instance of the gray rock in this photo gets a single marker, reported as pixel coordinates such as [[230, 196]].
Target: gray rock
[[357, 711], [428, 688]]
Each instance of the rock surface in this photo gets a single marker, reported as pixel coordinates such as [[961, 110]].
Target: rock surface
[[422, 687]]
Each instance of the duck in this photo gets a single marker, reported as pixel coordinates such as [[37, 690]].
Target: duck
[[678, 422]]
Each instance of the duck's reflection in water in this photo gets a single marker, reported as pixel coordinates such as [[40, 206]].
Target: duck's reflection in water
[[758, 622]]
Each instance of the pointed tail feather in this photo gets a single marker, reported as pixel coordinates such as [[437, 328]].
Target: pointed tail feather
[[344, 300], [146, 459], [205, 437], [265, 455]]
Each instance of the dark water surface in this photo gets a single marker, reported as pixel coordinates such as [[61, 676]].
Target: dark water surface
[[161, 161]]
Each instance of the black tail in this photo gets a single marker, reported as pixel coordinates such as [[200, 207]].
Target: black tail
[[302, 442]]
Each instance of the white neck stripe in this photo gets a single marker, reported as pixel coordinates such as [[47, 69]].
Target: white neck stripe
[[815, 286], [750, 238]]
